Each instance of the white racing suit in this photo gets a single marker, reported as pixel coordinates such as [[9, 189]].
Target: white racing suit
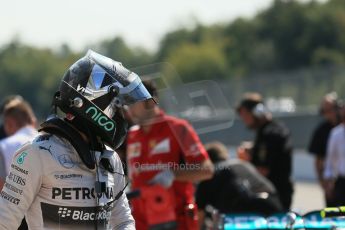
[[49, 184]]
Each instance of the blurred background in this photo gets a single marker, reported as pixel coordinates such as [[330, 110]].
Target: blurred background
[[291, 51]]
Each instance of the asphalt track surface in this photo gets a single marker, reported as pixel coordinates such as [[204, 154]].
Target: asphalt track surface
[[308, 196]]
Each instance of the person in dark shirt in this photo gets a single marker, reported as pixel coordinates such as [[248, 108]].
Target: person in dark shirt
[[235, 187], [329, 109], [272, 149]]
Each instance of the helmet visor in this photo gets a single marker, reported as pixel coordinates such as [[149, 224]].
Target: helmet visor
[[108, 72], [100, 82], [134, 92]]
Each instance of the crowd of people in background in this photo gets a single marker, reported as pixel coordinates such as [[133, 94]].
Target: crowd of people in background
[[160, 151], [328, 146]]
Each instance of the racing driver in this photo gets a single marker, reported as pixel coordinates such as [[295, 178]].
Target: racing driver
[[68, 177]]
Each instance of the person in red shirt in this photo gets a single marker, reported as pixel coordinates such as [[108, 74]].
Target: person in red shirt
[[164, 152]]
